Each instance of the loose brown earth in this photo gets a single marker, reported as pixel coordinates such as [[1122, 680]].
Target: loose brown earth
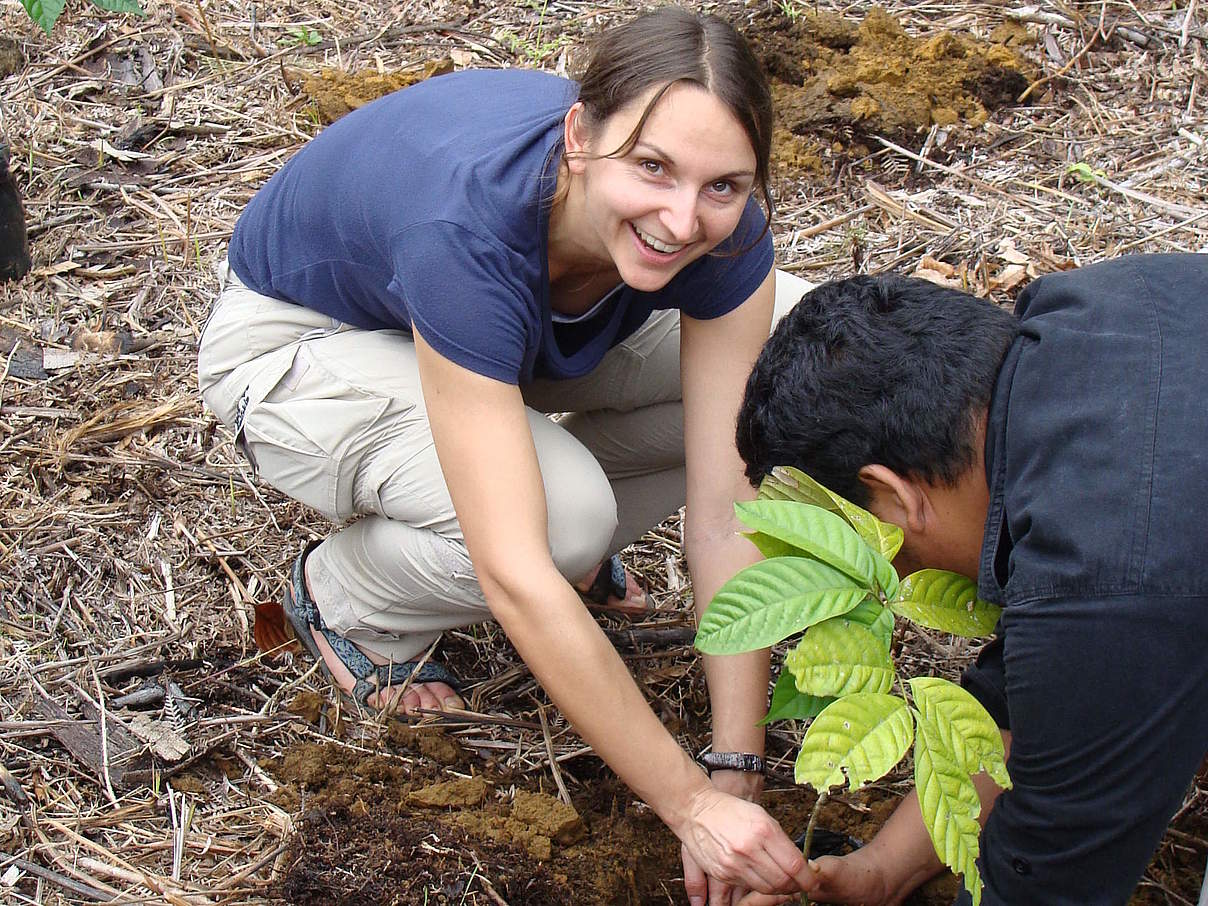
[[135, 546], [420, 837]]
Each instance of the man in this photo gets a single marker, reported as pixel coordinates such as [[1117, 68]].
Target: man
[[1059, 457]]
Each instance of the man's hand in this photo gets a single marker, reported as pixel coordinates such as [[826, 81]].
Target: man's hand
[[854, 878], [731, 844]]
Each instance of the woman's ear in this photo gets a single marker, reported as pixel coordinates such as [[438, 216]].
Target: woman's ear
[[895, 499], [575, 137]]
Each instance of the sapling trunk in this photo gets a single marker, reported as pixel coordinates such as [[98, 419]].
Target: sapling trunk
[[809, 835]]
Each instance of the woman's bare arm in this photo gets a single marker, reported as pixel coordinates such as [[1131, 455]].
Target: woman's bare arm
[[486, 452]]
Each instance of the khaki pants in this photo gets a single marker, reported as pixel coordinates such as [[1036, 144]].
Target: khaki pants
[[334, 416]]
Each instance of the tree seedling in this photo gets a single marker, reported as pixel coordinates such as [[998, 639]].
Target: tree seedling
[[827, 575]]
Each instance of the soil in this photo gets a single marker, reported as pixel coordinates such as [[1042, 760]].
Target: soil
[[334, 92], [419, 837], [837, 80]]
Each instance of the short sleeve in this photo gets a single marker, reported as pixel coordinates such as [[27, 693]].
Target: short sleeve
[[467, 297], [721, 281]]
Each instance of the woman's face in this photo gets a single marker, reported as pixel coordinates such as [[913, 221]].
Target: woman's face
[[674, 196]]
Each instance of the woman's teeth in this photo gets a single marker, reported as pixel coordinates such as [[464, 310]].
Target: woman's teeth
[[656, 244]]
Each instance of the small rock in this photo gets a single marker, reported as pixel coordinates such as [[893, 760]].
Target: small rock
[[466, 792], [11, 58], [14, 244]]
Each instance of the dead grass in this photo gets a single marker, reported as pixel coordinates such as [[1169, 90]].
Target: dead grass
[[134, 546]]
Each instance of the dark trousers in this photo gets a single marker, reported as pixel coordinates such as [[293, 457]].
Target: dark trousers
[[1108, 710]]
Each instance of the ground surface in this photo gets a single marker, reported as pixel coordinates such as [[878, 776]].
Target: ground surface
[[164, 759]]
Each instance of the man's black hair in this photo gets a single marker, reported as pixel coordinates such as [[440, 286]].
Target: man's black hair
[[891, 370]]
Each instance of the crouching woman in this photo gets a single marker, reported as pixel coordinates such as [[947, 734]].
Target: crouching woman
[[411, 294]]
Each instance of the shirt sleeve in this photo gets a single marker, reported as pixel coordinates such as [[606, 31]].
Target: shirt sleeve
[[721, 281], [467, 297]]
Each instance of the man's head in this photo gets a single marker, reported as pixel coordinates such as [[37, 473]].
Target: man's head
[[878, 387]]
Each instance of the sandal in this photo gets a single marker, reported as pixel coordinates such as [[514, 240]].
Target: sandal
[[610, 583], [303, 615]]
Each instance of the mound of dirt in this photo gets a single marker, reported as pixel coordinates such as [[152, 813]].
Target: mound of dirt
[[834, 78], [418, 834], [334, 92]]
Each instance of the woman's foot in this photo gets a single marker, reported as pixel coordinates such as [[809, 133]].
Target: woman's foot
[[429, 695]]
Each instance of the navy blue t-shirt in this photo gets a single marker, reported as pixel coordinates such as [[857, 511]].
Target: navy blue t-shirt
[[429, 207]]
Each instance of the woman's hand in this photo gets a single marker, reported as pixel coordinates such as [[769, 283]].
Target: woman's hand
[[731, 844]]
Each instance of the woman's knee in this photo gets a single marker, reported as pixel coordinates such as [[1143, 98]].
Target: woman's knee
[[580, 505]]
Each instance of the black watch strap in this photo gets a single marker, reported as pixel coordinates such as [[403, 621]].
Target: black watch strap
[[732, 761]]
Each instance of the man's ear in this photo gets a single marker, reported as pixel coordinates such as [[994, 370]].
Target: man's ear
[[893, 498], [574, 137]]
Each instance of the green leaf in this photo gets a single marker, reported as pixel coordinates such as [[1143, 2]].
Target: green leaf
[[822, 535], [120, 6], [949, 804], [788, 703], [772, 600], [787, 483], [839, 657], [876, 618], [44, 12], [968, 731], [856, 739], [1084, 172], [945, 601]]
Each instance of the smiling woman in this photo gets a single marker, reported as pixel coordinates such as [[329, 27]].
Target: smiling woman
[[411, 294]]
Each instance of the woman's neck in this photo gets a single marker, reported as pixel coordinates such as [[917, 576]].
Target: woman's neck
[[570, 257]]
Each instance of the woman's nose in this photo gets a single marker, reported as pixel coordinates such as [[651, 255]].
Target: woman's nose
[[679, 215]]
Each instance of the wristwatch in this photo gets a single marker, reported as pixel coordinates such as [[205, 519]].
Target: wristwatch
[[732, 761]]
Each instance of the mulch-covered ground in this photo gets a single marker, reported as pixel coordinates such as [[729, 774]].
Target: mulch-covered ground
[[150, 752]]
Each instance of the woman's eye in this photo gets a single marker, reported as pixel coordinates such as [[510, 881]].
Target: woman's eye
[[652, 167], [721, 187]]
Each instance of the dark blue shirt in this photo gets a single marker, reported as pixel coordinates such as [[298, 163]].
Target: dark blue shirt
[[1096, 455], [429, 207], [1097, 436]]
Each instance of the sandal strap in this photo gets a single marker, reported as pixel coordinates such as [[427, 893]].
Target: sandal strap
[[370, 677], [386, 675], [609, 582]]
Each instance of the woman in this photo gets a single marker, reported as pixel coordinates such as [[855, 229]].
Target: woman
[[436, 270]]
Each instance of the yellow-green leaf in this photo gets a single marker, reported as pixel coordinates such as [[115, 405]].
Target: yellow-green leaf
[[967, 729], [855, 740], [945, 601], [788, 483], [949, 804], [839, 657], [772, 600], [820, 534]]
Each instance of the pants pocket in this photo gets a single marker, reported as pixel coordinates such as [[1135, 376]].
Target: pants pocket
[[298, 426]]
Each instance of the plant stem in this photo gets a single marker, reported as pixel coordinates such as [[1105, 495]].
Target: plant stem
[[809, 835]]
